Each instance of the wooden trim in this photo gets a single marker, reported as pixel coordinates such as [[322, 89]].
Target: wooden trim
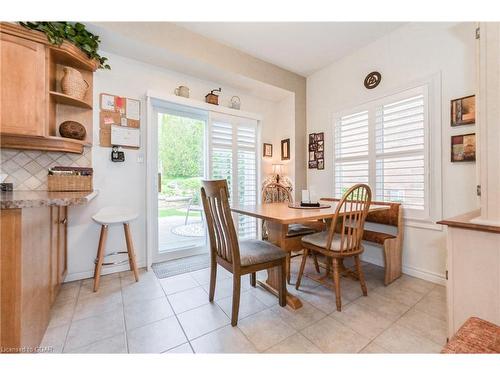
[[27, 142], [464, 221]]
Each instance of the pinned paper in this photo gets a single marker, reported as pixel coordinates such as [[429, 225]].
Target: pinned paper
[[107, 102], [133, 109]]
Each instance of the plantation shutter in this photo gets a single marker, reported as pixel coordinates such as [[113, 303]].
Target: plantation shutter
[[351, 151], [400, 151], [233, 156]]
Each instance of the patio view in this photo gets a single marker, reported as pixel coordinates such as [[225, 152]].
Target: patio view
[[181, 165]]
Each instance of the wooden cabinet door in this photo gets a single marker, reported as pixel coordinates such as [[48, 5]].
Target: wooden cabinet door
[[23, 89], [63, 243]]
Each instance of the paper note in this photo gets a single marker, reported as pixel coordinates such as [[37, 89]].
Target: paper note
[[133, 109], [305, 196], [107, 102], [124, 136]]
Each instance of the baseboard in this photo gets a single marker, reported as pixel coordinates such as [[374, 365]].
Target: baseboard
[[411, 271], [105, 271]]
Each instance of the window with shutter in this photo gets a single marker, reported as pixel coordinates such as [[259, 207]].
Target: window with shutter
[[384, 143], [233, 156]]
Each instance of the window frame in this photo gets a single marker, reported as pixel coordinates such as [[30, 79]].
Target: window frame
[[430, 88]]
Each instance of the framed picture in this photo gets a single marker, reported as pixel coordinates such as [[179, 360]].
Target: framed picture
[[463, 147], [316, 151], [463, 111], [267, 151], [285, 149], [313, 164]]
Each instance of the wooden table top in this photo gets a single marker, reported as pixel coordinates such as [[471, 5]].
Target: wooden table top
[[280, 212]]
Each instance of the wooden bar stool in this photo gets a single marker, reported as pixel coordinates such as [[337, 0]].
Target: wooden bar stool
[[107, 216]]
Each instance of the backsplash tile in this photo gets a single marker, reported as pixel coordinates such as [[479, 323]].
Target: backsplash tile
[[27, 170]]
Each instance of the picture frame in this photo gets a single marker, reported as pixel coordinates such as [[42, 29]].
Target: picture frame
[[463, 148], [285, 149], [267, 150], [316, 151], [463, 111]]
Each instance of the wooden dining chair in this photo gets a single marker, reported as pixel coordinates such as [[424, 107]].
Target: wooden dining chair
[[343, 239], [278, 193], [238, 257]]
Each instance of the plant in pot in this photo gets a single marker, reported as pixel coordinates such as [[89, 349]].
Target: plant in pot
[[76, 33]]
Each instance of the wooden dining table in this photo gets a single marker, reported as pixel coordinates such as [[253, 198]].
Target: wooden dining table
[[278, 217]]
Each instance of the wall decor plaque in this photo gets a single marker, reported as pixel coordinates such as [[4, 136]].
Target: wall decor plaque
[[316, 151], [372, 80]]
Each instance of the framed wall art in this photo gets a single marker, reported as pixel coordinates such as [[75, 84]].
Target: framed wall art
[[267, 150], [285, 149], [316, 151], [463, 111], [463, 147]]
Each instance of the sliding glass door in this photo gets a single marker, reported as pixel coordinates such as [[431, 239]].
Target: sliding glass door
[[192, 145]]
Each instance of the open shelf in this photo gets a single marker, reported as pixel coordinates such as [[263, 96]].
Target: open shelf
[[48, 143], [69, 100]]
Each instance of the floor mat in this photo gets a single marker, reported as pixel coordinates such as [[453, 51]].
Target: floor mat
[[183, 265]]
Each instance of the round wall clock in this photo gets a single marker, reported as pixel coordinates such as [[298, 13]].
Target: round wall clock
[[372, 80]]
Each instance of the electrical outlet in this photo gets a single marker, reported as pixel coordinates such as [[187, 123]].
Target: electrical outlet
[[140, 158]]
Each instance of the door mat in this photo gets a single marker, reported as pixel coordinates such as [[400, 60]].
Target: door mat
[[184, 265]]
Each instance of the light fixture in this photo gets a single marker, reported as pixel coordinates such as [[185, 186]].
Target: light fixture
[[277, 170]]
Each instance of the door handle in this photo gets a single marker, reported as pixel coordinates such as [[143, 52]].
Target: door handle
[[159, 182]]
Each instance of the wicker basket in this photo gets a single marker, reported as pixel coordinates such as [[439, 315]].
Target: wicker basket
[[73, 84], [69, 183]]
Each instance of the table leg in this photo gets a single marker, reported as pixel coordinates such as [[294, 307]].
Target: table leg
[[277, 235]]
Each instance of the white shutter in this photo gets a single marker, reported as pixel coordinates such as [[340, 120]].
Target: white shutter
[[400, 156], [247, 177], [351, 151], [233, 156]]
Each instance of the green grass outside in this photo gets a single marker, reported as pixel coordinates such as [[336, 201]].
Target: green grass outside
[[169, 212]]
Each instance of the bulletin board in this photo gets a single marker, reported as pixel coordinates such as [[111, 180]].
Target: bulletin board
[[117, 111]]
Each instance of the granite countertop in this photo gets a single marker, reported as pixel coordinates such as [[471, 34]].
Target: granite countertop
[[34, 198]]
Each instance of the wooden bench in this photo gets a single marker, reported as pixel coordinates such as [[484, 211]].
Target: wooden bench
[[385, 228]]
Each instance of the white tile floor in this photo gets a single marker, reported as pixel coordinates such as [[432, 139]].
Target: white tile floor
[[173, 315]]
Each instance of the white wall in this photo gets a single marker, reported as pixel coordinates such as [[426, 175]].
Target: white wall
[[125, 183], [410, 53]]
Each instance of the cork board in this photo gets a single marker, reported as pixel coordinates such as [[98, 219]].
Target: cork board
[[117, 110]]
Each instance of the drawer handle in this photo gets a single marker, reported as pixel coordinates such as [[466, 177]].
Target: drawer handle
[[64, 221]]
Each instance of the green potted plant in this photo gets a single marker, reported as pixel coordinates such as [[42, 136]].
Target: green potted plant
[[76, 33]]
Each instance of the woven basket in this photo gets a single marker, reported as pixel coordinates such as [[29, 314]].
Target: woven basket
[[73, 84], [69, 183]]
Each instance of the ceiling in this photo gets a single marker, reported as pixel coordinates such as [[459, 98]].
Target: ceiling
[[300, 47]]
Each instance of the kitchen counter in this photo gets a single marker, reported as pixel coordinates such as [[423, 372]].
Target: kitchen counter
[[28, 199], [466, 221]]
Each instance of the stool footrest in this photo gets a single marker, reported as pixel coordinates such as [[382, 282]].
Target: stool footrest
[[113, 263]]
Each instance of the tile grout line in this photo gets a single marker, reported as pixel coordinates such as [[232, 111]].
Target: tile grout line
[[176, 317], [72, 316]]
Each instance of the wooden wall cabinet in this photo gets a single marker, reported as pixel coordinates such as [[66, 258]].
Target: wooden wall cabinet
[[32, 105], [33, 266]]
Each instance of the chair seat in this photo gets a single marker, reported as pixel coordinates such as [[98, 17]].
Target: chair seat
[[299, 230], [114, 215], [319, 240], [256, 251]]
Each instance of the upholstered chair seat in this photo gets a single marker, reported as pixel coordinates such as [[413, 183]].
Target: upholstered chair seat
[[257, 251]]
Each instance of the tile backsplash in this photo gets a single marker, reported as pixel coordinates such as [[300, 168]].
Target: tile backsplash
[[28, 169]]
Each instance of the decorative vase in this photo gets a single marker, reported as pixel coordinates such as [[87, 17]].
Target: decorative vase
[[73, 130], [73, 84]]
